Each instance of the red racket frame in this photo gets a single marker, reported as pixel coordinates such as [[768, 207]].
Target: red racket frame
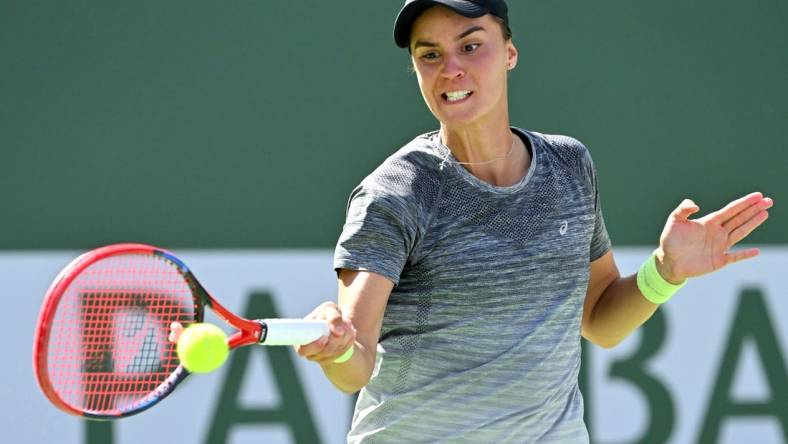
[[249, 332]]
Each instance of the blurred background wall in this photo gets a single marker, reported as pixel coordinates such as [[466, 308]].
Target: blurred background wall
[[247, 123]]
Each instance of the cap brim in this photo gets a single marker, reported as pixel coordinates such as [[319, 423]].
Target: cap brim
[[411, 11]]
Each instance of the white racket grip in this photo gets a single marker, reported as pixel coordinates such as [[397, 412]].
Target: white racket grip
[[293, 331]]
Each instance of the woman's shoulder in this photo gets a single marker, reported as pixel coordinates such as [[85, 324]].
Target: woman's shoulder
[[564, 146], [567, 151], [412, 169]]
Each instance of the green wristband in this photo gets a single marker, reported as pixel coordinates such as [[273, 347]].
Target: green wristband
[[345, 356], [653, 286]]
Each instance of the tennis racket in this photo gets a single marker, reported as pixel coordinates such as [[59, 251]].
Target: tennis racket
[[101, 349]]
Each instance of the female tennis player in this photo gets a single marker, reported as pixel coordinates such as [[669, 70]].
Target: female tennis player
[[474, 258]]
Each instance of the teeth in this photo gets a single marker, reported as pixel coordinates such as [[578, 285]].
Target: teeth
[[454, 96]]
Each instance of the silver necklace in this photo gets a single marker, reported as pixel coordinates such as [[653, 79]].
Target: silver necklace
[[485, 162]]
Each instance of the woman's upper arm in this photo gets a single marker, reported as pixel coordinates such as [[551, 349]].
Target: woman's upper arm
[[363, 296], [602, 272]]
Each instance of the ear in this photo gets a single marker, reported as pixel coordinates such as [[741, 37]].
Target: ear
[[511, 55]]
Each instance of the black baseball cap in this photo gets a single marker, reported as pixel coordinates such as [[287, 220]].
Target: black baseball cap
[[468, 8]]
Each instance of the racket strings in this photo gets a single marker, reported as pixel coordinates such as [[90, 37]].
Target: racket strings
[[108, 348]]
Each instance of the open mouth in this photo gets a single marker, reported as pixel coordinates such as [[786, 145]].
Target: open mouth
[[456, 96]]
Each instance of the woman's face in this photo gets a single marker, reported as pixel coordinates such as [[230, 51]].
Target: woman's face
[[461, 64]]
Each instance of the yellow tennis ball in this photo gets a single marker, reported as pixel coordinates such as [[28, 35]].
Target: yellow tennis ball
[[202, 348]]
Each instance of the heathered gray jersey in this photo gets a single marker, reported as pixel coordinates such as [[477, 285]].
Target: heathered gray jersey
[[481, 335]]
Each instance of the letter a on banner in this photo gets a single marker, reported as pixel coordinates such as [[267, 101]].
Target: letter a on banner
[[293, 413], [752, 322]]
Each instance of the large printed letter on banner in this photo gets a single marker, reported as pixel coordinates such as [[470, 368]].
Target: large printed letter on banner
[[752, 322], [293, 412], [633, 369]]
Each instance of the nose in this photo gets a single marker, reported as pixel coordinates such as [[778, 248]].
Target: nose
[[452, 68]]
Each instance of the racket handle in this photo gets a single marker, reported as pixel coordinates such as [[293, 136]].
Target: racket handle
[[293, 331]]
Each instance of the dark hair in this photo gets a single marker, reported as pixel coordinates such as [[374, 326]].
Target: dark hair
[[505, 29]]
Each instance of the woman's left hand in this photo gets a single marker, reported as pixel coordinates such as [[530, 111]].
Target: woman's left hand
[[693, 247]]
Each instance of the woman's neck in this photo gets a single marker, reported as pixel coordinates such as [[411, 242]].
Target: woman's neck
[[493, 153]]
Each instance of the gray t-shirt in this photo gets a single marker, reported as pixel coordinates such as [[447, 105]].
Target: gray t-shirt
[[481, 335]]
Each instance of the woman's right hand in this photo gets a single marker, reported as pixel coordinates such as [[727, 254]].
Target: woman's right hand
[[342, 335]]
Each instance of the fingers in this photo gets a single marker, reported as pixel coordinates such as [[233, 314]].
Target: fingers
[[328, 348], [176, 328], [732, 257], [748, 226], [685, 209], [748, 213], [313, 348], [342, 334], [737, 206], [336, 324]]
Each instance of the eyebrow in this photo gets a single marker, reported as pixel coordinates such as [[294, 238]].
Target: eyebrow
[[466, 33]]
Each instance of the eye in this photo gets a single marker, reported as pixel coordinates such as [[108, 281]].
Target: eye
[[470, 47], [431, 55]]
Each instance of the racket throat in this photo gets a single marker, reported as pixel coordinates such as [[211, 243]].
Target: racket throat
[[253, 332]]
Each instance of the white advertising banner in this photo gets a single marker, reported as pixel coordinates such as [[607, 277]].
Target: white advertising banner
[[709, 367]]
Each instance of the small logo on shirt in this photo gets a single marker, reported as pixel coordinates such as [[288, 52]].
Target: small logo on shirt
[[564, 227]]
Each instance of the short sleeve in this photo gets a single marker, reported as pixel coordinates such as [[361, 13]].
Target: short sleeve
[[600, 241], [378, 235]]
